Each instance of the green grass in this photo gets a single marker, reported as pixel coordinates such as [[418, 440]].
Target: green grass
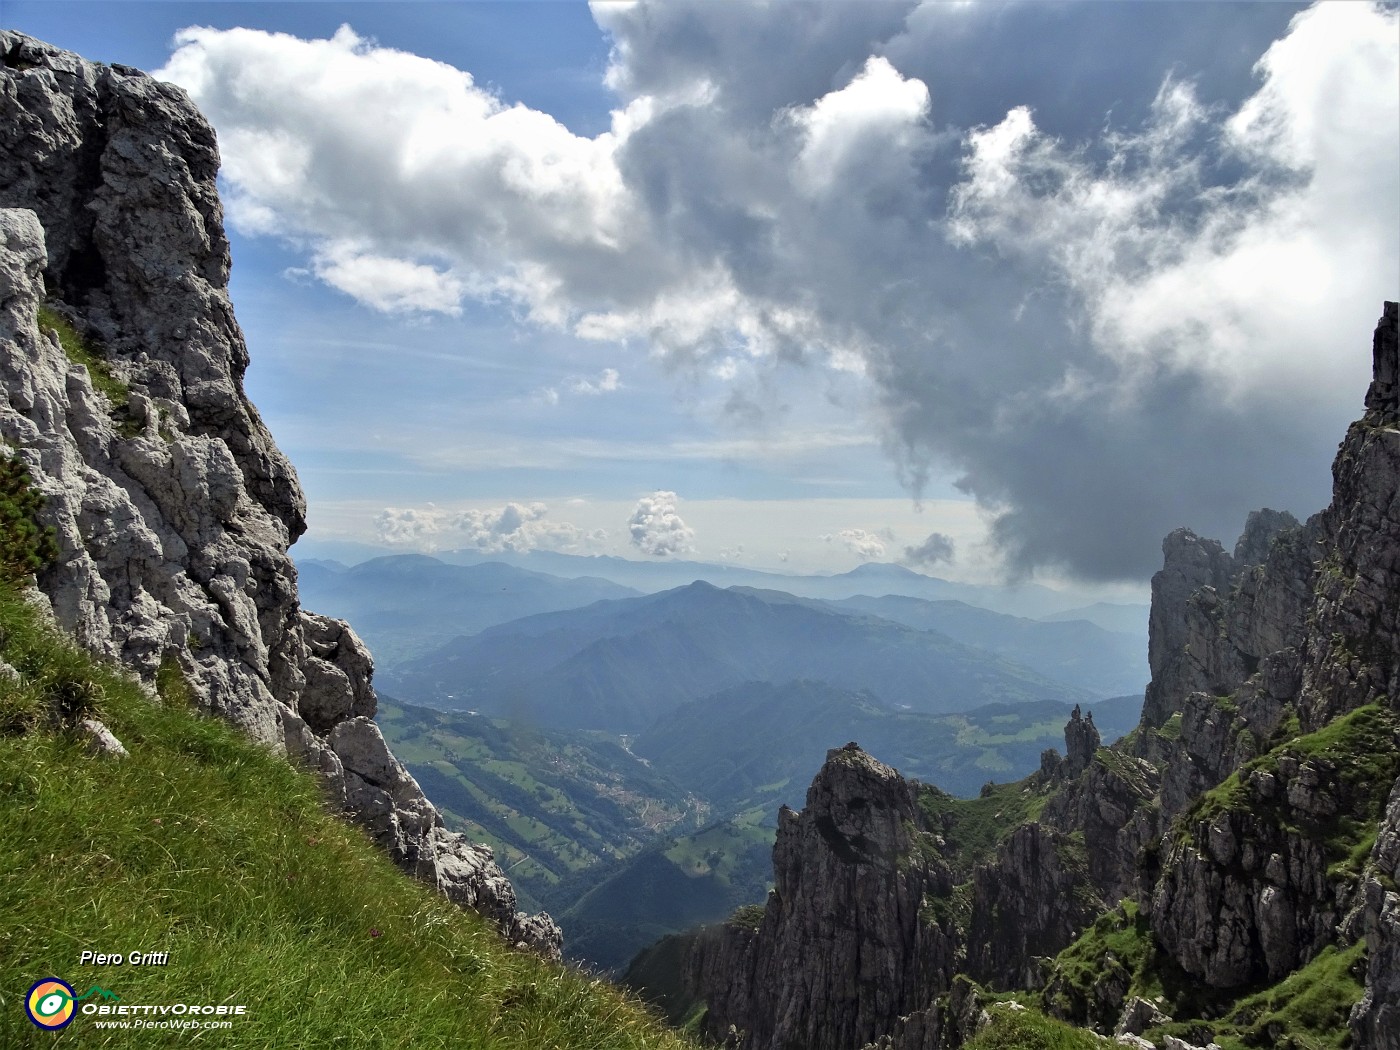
[[81, 351], [972, 828], [1308, 1010], [1171, 728], [26, 545], [1123, 766], [749, 915], [1120, 938], [1029, 1029], [1357, 757], [202, 845]]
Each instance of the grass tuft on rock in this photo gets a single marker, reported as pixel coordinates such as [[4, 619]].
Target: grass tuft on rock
[[82, 352], [26, 546], [1015, 1027]]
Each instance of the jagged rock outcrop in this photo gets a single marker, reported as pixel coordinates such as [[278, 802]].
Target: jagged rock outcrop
[[1354, 655], [1081, 742], [1249, 889], [173, 507], [1027, 903], [845, 946], [950, 1022]]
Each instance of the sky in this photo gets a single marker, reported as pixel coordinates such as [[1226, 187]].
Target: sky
[[992, 289]]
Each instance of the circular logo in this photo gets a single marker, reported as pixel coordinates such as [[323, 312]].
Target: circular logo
[[49, 1003]]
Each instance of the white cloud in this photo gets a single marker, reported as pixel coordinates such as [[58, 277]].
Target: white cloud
[[395, 166], [513, 527], [869, 125], [409, 526], [1241, 281], [865, 545], [656, 526], [391, 285], [607, 381]]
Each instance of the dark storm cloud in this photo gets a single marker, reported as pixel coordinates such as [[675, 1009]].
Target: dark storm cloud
[[1000, 355], [1111, 266], [937, 549]]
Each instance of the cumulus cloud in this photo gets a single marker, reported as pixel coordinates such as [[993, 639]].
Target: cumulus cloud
[[388, 284], [414, 185], [657, 528], [608, 381], [1102, 329], [866, 545], [853, 132], [409, 526], [605, 382], [514, 527], [938, 548]]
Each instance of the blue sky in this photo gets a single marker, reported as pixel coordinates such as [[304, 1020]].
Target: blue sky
[[796, 285]]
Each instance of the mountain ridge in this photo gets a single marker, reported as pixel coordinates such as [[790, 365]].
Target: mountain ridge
[[618, 664]]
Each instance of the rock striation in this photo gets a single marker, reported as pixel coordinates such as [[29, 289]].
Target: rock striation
[[1248, 825], [173, 507]]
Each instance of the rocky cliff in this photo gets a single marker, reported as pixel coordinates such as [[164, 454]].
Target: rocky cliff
[[121, 390], [1235, 854]]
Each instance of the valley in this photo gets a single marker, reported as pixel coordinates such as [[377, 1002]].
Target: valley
[[624, 847]]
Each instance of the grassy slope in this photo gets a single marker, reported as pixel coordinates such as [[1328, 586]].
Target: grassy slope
[[202, 845]]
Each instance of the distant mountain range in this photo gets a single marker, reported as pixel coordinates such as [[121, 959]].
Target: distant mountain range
[[1076, 651], [873, 578], [621, 664], [407, 604]]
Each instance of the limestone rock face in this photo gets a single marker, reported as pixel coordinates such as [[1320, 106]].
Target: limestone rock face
[[1108, 805], [1184, 624], [1355, 655], [1247, 893], [1375, 1022], [842, 950], [1030, 902], [173, 507], [1081, 742]]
